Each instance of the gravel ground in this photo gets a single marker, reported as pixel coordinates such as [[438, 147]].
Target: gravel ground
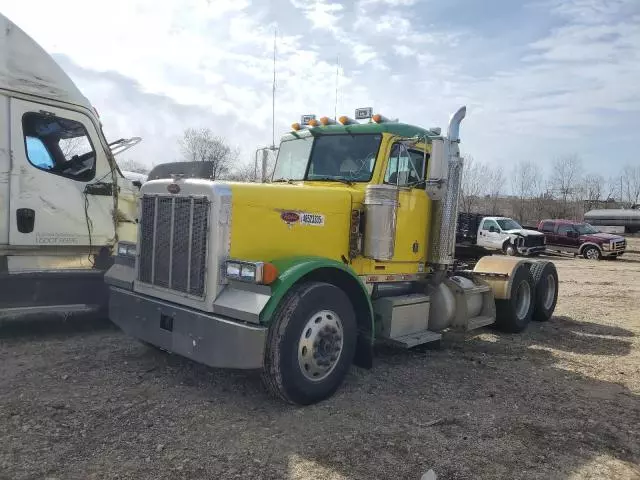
[[561, 400]]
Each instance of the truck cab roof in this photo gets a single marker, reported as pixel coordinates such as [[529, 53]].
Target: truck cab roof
[[25, 67]]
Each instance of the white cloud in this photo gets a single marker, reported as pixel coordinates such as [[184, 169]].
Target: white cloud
[[193, 62]]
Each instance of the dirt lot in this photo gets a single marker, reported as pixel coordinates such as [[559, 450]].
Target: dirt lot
[[561, 400]]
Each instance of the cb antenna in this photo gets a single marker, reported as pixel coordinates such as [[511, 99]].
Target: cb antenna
[[335, 106], [273, 92]]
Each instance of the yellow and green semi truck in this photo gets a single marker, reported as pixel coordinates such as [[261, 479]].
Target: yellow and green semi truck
[[350, 244]]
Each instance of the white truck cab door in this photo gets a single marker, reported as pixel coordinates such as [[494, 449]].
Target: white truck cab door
[[61, 184], [490, 235]]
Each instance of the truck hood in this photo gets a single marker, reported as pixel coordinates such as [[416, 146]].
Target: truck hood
[[603, 237], [524, 232], [270, 221]]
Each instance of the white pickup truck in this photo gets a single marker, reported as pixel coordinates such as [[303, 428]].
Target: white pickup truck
[[499, 233]]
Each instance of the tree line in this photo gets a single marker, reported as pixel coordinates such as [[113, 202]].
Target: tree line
[[528, 194], [522, 191]]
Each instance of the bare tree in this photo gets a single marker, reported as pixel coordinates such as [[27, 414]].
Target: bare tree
[[242, 173], [201, 145], [474, 183], [526, 181], [631, 184], [593, 190], [132, 165], [565, 181], [495, 185]]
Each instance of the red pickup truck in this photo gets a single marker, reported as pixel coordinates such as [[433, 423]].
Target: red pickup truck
[[582, 239]]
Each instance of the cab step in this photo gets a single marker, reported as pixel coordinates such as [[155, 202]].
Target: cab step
[[413, 339], [479, 322]]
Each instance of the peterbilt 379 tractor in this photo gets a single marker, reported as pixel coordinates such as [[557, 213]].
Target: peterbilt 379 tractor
[[351, 243]]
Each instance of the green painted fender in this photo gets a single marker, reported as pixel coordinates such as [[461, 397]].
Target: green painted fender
[[293, 269]]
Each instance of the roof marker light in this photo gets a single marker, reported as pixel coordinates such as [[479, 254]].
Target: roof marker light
[[377, 118], [295, 126], [344, 120], [314, 123], [327, 121]]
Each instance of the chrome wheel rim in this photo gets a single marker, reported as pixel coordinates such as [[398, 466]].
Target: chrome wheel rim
[[320, 345], [550, 294], [592, 254], [523, 300]]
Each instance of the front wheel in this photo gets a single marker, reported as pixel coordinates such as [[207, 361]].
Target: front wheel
[[591, 253], [311, 344], [510, 249]]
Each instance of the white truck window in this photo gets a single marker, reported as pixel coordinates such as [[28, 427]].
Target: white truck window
[[487, 224], [59, 146]]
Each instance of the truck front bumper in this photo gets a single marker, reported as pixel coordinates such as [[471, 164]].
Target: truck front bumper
[[205, 338], [532, 250]]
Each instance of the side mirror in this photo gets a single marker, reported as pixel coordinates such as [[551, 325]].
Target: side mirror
[[492, 228], [438, 170]]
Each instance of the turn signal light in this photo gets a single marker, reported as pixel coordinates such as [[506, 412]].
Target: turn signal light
[[269, 273]]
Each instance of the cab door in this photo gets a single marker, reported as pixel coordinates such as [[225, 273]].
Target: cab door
[[61, 181], [406, 169], [489, 235]]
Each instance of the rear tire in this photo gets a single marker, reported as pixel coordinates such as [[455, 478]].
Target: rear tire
[[310, 344], [545, 278], [514, 314]]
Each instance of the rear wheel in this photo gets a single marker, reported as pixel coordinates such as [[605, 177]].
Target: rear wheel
[[311, 344], [514, 314], [545, 278], [591, 253]]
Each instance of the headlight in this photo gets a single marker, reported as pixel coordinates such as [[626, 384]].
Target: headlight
[[606, 246], [126, 249], [254, 272]]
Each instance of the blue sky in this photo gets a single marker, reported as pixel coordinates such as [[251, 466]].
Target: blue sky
[[541, 78]]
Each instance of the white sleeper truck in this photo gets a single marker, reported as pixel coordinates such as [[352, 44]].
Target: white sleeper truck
[[63, 201]]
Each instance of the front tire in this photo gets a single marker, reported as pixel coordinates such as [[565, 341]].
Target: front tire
[[310, 344], [514, 314], [591, 253]]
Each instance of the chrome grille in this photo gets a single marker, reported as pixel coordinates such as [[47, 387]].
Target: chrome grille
[[173, 243], [619, 244]]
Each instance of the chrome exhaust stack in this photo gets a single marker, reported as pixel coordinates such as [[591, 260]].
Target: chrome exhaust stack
[[445, 192]]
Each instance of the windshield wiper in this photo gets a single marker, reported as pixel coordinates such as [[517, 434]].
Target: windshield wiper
[[286, 180], [331, 179]]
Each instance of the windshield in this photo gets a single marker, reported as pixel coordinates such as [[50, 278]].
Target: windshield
[[508, 224], [332, 158], [585, 228]]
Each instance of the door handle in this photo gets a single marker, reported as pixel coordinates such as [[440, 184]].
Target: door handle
[[25, 219], [99, 188]]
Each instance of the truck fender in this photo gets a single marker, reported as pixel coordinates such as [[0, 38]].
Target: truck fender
[[588, 244], [293, 270]]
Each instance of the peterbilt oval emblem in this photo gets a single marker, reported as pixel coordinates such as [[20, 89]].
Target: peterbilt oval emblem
[[173, 188], [290, 217]]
